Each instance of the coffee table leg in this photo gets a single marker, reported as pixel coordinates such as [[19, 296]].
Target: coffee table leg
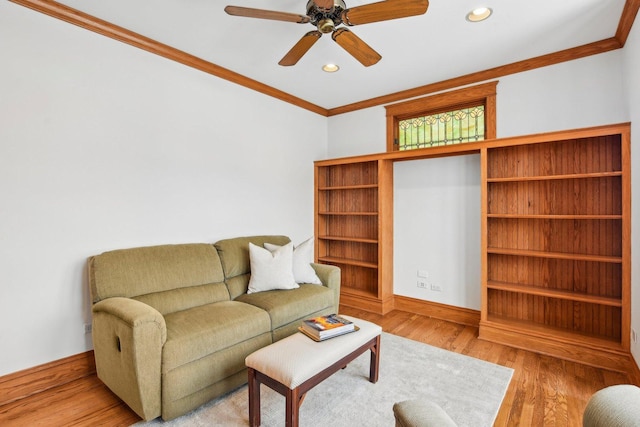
[[254, 399], [374, 367]]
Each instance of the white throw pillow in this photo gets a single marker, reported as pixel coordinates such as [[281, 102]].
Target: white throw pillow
[[271, 270], [302, 259]]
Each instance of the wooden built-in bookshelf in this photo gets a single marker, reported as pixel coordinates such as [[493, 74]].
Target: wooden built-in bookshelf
[[353, 229], [556, 238], [556, 245]]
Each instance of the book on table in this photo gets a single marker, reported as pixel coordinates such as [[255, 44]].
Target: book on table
[[324, 327]]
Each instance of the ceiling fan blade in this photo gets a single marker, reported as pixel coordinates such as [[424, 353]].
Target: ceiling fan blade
[[356, 47], [383, 11], [300, 48], [266, 14]]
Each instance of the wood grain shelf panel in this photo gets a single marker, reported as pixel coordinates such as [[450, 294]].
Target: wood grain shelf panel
[[348, 239], [553, 293], [559, 334], [359, 293], [589, 196], [556, 177], [583, 349], [346, 261], [348, 213], [348, 187], [542, 216], [556, 255]]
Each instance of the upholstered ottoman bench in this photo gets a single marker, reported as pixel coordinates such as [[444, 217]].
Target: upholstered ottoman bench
[[296, 364]]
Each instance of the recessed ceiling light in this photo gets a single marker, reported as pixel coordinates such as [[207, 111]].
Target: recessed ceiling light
[[479, 14], [330, 68]]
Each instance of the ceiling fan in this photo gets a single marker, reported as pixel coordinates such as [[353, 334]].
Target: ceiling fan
[[327, 15]]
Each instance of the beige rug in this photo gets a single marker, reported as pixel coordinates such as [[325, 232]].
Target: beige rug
[[470, 390]]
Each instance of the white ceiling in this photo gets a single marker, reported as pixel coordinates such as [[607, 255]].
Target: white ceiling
[[416, 51]]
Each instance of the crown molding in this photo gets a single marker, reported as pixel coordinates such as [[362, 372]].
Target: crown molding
[[629, 14], [92, 23], [481, 76]]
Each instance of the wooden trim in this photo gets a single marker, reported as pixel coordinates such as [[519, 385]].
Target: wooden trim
[[553, 293], [476, 147], [94, 24], [385, 234], [484, 273], [40, 378], [392, 132], [490, 74], [491, 116], [626, 238], [560, 347], [484, 94], [463, 316], [629, 14], [371, 304], [91, 23], [634, 372], [446, 100]]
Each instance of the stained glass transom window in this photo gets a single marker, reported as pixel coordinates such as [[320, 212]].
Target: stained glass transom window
[[447, 128]]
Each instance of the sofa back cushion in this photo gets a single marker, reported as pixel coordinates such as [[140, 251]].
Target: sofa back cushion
[[168, 277], [234, 256]]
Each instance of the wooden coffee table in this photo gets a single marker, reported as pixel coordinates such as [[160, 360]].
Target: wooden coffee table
[[296, 364]]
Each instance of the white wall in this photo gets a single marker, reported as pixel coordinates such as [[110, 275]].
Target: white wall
[[434, 197], [632, 91], [437, 217], [582, 93], [359, 132], [104, 146]]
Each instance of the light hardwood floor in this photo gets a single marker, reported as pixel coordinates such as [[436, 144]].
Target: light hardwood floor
[[544, 391]]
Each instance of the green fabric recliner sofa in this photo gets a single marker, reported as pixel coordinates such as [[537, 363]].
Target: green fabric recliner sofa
[[172, 324]]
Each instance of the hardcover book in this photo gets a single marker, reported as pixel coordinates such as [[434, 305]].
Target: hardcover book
[[328, 326], [315, 338]]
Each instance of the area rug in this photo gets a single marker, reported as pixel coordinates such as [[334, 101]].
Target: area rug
[[468, 389]]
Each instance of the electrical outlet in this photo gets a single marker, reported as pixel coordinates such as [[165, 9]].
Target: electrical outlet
[[87, 328], [437, 288], [634, 336], [422, 284]]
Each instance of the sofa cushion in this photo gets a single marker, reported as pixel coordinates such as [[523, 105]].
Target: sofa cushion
[[185, 298], [141, 271], [195, 333], [238, 285], [286, 306], [211, 376], [234, 253], [271, 269]]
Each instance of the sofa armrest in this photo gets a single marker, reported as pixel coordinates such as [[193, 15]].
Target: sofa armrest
[[330, 277], [128, 336]]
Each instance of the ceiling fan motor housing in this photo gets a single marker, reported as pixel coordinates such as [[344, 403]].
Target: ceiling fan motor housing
[[326, 20]]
